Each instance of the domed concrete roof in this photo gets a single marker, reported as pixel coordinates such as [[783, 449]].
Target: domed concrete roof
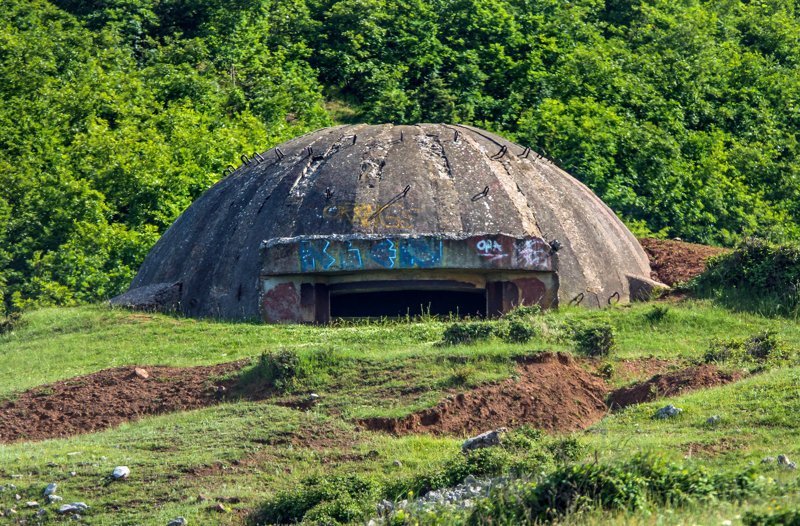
[[385, 180]]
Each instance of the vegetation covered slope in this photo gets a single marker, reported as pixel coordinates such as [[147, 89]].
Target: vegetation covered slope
[[264, 461], [115, 115]]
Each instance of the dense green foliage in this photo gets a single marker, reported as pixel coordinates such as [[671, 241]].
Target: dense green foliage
[[683, 116], [758, 275]]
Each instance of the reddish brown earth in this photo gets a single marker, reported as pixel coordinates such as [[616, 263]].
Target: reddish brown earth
[[673, 262], [671, 384], [107, 398], [552, 392]]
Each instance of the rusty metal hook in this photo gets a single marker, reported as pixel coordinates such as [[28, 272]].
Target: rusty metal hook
[[245, 159], [257, 156], [525, 153], [615, 295], [499, 155], [228, 170], [577, 299], [482, 194], [279, 153], [455, 137], [390, 202], [310, 150]]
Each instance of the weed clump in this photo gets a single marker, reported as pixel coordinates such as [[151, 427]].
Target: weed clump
[[522, 312], [594, 339], [462, 332], [10, 322], [286, 370], [777, 517], [656, 314], [517, 331], [759, 348]]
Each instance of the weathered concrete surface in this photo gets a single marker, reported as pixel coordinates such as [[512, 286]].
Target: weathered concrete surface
[[423, 180], [161, 297], [336, 253]]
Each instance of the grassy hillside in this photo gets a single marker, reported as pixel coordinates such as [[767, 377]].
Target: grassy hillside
[[242, 453]]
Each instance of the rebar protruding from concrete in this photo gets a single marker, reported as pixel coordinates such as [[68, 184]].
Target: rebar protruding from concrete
[[577, 299], [245, 159], [279, 153], [480, 195], [499, 155], [257, 156]]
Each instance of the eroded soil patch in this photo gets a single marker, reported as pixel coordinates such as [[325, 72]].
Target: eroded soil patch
[[671, 384], [551, 391], [107, 398], [673, 262]]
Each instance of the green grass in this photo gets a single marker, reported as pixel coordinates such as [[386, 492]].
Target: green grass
[[244, 452]]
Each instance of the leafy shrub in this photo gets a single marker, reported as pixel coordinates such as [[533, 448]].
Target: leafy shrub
[[760, 348], [462, 376], [626, 486], [332, 498], [757, 275], [10, 322], [778, 517], [467, 332], [566, 450], [518, 331], [522, 312], [595, 339]]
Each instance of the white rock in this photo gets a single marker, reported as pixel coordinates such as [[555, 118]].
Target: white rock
[[120, 472], [487, 439], [32, 504], [50, 489], [177, 521], [54, 498]]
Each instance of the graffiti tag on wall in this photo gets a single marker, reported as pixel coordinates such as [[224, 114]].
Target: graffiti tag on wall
[[366, 215], [408, 253], [339, 254]]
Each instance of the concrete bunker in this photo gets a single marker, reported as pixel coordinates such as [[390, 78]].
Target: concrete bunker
[[314, 278], [385, 220]]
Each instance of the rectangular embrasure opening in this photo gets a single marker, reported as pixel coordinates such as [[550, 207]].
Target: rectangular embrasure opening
[[413, 302]]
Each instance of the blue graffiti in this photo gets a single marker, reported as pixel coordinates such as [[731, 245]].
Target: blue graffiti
[[421, 253], [384, 253], [310, 255], [350, 257]]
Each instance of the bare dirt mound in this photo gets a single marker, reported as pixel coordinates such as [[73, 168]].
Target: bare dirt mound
[[107, 398], [552, 392], [672, 261], [671, 384]]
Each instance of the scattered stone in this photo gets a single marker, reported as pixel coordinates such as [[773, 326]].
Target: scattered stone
[[50, 489], [201, 498], [120, 473], [397, 464], [41, 513], [784, 461], [12, 511], [72, 474], [668, 411], [32, 504], [54, 498], [75, 507], [220, 508], [713, 420], [768, 460], [18, 497], [177, 521], [141, 373], [76, 516], [487, 439]]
